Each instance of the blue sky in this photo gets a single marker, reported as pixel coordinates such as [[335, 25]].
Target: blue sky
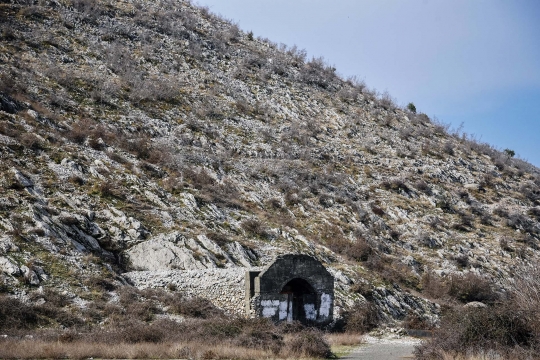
[[475, 62]]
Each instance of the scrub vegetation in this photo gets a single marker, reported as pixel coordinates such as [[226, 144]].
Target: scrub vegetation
[[129, 125]]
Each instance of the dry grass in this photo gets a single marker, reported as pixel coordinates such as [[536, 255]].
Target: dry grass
[[345, 339], [343, 343], [486, 356], [12, 348], [509, 326], [37, 349]]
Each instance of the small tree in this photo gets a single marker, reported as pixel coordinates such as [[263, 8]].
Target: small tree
[[510, 153], [411, 107]]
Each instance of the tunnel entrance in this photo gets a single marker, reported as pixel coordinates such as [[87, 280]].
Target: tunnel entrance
[[301, 301], [292, 287]]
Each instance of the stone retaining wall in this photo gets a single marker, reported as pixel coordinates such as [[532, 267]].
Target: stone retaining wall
[[225, 288]]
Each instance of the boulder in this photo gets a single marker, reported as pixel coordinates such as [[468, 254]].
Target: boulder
[[9, 267]]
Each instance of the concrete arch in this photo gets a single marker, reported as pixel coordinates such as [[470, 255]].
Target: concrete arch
[[308, 299]]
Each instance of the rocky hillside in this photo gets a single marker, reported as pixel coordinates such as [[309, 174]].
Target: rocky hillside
[[153, 136]]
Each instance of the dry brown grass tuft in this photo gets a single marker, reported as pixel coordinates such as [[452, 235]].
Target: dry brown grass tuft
[[34, 349], [310, 344], [345, 339]]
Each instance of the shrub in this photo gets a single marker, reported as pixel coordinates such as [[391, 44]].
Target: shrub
[[387, 102], [260, 334], [317, 72], [505, 244], [359, 250], [471, 287], [422, 186], [16, 315], [199, 179], [411, 107], [448, 148], [218, 238], [433, 285], [462, 260], [308, 343], [80, 131], [509, 153], [361, 318], [254, 227], [31, 141], [477, 331], [100, 282], [377, 210], [426, 240], [397, 185], [405, 133], [417, 322], [466, 222], [501, 212], [508, 328], [195, 307], [531, 192], [535, 212], [326, 200]]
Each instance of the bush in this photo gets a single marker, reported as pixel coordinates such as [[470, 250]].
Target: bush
[[471, 287], [254, 227], [359, 250], [195, 307], [199, 179], [531, 192], [317, 72], [377, 210], [448, 148], [426, 240], [510, 153], [16, 315], [133, 332], [521, 222], [411, 107], [32, 141], [260, 334], [417, 322], [361, 318], [397, 185], [80, 131], [100, 282], [477, 331], [308, 343], [387, 102], [466, 222], [422, 186], [534, 212]]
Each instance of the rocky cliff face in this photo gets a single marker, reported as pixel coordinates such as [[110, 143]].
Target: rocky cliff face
[[154, 136]]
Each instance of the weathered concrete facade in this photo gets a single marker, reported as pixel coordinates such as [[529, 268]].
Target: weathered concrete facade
[[292, 287]]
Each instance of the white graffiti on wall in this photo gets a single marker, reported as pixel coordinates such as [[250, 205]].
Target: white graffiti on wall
[[326, 304], [311, 313], [269, 307], [289, 315], [283, 310]]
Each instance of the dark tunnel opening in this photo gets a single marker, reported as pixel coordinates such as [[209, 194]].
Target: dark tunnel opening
[[301, 300]]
